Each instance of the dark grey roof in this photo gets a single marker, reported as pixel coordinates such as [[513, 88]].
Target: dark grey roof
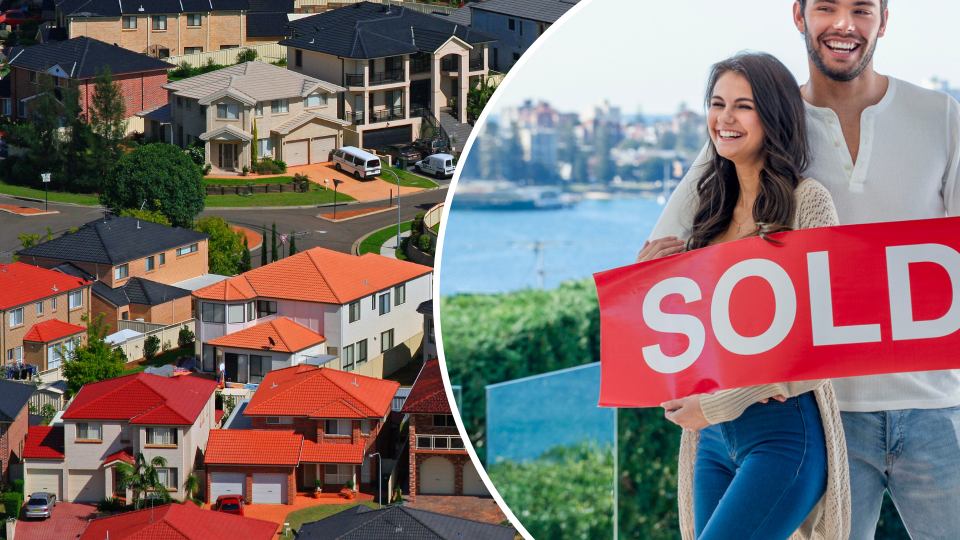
[[150, 293], [114, 240], [115, 8], [268, 25], [14, 396], [160, 114], [426, 307], [368, 30], [282, 6], [48, 34], [535, 10], [83, 58], [116, 296], [459, 16], [400, 523]]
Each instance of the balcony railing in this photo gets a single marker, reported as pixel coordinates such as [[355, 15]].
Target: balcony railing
[[355, 118], [450, 64], [421, 65], [386, 115], [476, 64], [354, 79], [386, 77], [439, 442]]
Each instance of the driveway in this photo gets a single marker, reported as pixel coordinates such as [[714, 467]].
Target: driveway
[[68, 521]]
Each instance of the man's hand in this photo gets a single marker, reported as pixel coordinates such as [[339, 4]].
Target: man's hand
[[686, 412], [660, 248]]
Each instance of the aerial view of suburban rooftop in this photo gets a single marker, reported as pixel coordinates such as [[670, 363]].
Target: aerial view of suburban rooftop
[[218, 226]]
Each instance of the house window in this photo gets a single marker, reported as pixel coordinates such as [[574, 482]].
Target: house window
[[365, 426], [16, 317], [88, 431], [75, 299], [386, 340], [179, 101], [129, 23], [265, 147], [159, 22], [443, 420], [192, 50], [251, 311], [212, 313], [192, 248], [125, 433], [516, 57], [385, 303], [298, 58], [335, 474], [189, 106], [53, 303], [162, 259], [430, 331], [361, 352], [278, 106], [151, 263], [337, 427], [121, 271], [167, 477], [266, 308], [22, 108], [355, 311], [203, 110], [258, 109], [399, 294], [165, 436], [279, 420], [226, 47], [56, 81], [511, 24], [7, 107], [40, 308], [33, 77], [259, 367], [318, 99], [235, 314], [228, 112], [193, 19], [15, 355], [521, 28], [347, 360]]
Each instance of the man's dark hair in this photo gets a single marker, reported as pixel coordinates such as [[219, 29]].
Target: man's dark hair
[[883, 9]]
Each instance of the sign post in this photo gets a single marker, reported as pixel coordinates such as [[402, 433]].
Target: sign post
[[46, 195]]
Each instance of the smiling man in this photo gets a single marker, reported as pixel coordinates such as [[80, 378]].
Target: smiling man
[[887, 151]]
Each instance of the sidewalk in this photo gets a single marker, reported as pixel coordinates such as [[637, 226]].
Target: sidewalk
[[389, 248]]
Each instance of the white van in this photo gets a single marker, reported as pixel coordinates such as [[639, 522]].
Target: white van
[[356, 161], [439, 165]]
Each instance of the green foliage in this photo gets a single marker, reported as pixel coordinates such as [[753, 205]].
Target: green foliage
[[263, 247], [350, 483], [156, 172], [890, 527], [246, 55], [245, 259], [108, 120], [293, 242], [273, 243], [28, 240], [17, 486], [318, 484], [151, 346], [95, 361], [197, 150], [267, 165], [153, 216], [424, 242], [224, 247], [191, 485], [255, 147], [12, 501], [282, 62], [142, 477], [224, 402], [185, 70], [48, 411], [185, 337], [397, 497], [478, 96], [301, 182], [109, 504], [649, 447], [567, 493]]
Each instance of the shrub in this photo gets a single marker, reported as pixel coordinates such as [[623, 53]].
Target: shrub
[[282, 164], [18, 486], [109, 504], [268, 166], [12, 501], [248, 55], [151, 346], [301, 182], [424, 244]]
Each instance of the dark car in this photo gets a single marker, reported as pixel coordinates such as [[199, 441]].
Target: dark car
[[40, 505], [229, 504], [397, 151], [428, 147]]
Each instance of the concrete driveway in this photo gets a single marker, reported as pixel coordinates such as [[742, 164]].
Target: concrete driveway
[[68, 521]]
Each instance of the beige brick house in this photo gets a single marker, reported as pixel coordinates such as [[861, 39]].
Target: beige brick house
[[293, 116]]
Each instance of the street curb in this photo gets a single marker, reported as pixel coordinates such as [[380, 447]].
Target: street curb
[[356, 245], [32, 199], [46, 213], [325, 205], [382, 210]]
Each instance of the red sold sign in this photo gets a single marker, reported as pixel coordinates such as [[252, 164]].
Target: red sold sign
[[828, 303]]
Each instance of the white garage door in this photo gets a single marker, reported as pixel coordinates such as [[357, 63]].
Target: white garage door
[[269, 488], [436, 477], [472, 483], [227, 483], [86, 485], [44, 480], [321, 147], [295, 153]]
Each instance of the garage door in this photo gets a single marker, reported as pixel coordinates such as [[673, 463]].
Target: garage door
[[269, 488], [321, 147], [295, 153], [86, 485], [44, 480], [378, 138], [227, 483], [472, 483], [436, 477]]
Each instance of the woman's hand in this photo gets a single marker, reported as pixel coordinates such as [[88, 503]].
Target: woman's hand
[[779, 397], [660, 247], [686, 412]]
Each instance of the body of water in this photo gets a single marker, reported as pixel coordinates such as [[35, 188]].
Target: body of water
[[496, 251]]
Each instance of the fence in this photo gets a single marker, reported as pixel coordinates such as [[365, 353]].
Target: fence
[[133, 347], [433, 215], [301, 6], [268, 52], [41, 398], [138, 326]]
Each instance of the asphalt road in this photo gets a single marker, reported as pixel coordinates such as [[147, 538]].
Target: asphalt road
[[315, 231]]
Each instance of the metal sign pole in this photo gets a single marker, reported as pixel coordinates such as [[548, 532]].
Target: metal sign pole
[[46, 194]]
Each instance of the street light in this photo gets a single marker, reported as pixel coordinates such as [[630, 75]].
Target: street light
[[398, 203], [380, 476]]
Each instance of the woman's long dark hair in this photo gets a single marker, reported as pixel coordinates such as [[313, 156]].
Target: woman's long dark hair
[[780, 107]]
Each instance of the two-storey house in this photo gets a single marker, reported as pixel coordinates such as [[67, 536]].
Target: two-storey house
[[319, 306], [439, 462], [287, 115], [397, 65], [308, 423], [14, 419], [158, 28], [180, 522], [41, 313], [135, 266], [75, 63], [110, 422]]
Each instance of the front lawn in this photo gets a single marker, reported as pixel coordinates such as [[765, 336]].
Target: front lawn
[[55, 196], [408, 179], [324, 196], [244, 180], [162, 359], [316, 513], [374, 241]]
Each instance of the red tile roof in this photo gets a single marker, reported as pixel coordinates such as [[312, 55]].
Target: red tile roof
[[331, 453], [143, 399], [22, 284], [305, 390], [51, 330], [287, 336], [178, 522], [44, 442], [316, 275], [124, 455], [253, 447], [428, 394]]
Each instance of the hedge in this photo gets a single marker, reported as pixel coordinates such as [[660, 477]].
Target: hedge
[[12, 501]]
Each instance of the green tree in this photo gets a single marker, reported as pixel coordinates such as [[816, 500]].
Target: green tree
[[185, 337], [246, 55], [478, 96], [245, 263], [94, 361], [224, 247], [263, 247], [254, 148], [151, 346], [153, 216], [191, 485], [293, 242], [156, 172], [142, 477], [28, 240], [107, 119], [273, 240]]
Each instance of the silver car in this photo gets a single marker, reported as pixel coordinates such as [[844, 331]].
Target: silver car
[[41, 505]]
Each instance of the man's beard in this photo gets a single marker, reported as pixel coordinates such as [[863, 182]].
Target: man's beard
[[839, 76]]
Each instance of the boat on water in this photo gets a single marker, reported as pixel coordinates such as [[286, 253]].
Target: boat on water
[[508, 196]]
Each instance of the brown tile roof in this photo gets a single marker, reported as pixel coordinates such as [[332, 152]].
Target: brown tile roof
[[52, 330], [143, 399], [287, 336], [307, 390], [331, 453], [253, 447], [178, 522], [428, 394]]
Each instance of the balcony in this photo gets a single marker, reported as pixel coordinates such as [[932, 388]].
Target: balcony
[[355, 118], [354, 79], [450, 64], [476, 64], [421, 65], [387, 115], [439, 442], [386, 77]]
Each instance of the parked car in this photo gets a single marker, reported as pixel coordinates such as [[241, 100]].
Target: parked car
[[360, 163], [229, 504], [41, 505], [397, 151], [439, 165], [14, 17], [428, 147]]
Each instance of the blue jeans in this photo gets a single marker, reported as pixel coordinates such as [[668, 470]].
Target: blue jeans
[[759, 476], [915, 455]]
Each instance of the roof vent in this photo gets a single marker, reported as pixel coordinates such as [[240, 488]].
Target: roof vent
[[141, 7], [355, 382], [274, 385], [365, 282], [311, 40], [138, 224], [55, 289]]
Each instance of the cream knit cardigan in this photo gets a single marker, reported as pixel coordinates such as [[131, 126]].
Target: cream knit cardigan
[[830, 519]]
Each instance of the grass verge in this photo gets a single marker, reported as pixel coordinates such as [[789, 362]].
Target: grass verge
[[276, 199], [75, 198], [408, 179], [314, 513], [374, 241], [244, 180], [161, 359]]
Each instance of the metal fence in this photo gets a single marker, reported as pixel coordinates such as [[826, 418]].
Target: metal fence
[[133, 347], [268, 52], [138, 326]]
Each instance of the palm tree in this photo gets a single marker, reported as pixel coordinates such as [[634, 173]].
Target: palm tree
[[191, 485], [142, 476]]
